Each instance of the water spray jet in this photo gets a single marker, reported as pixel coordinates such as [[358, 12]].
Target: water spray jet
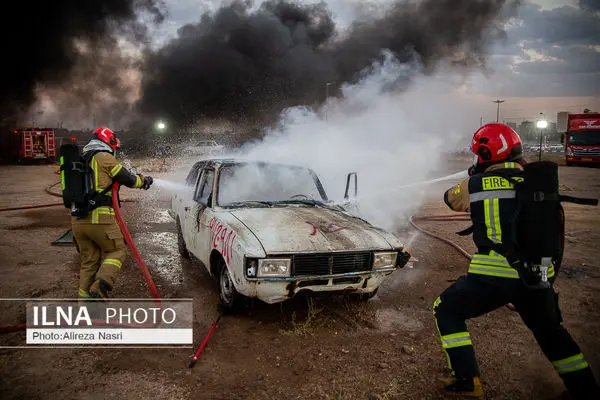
[[458, 175]]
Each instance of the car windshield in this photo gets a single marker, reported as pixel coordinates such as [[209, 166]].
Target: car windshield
[[587, 138], [263, 183]]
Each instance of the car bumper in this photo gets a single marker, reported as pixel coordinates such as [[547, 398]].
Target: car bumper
[[276, 290]]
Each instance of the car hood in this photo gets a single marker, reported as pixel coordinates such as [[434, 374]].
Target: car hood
[[292, 229]]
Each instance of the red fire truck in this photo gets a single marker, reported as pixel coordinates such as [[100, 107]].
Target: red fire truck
[[581, 137], [33, 144]]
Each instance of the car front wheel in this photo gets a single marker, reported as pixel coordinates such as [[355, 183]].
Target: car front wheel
[[231, 300]]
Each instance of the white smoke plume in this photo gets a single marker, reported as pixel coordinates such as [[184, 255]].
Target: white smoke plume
[[388, 140]]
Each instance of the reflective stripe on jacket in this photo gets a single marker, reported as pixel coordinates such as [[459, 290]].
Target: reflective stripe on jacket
[[493, 264]]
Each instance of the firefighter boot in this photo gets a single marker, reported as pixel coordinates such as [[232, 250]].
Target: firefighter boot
[[99, 289], [462, 387]]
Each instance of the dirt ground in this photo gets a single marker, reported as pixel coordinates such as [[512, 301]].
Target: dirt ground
[[329, 348]]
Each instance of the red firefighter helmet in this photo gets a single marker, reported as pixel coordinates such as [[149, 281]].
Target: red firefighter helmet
[[496, 142], [107, 136]]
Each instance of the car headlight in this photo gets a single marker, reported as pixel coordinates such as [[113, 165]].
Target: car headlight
[[385, 260], [273, 267], [569, 151]]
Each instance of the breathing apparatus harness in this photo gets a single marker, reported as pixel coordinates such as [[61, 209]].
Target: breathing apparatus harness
[[538, 222], [78, 191]]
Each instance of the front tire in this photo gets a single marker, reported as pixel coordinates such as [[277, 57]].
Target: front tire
[[231, 299], [180, 242]]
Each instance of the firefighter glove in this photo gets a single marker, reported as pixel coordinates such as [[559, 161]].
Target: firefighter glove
[[147, 182]]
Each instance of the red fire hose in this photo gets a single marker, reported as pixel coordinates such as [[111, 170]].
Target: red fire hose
[[134, 251], [457, 217], [212, 329]]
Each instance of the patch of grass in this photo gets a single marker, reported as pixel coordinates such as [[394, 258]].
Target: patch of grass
[[307, 327], [358, 308], [391, 391]]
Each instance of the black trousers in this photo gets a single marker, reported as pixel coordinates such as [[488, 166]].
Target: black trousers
[[474, 295]]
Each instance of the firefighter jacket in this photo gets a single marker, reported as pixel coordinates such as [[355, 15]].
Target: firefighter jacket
[[490, 199], [105, 168]]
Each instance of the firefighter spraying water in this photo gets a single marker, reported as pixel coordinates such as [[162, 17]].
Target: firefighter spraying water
[[88, 192], [518, 224]]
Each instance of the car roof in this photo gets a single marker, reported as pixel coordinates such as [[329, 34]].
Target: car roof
[[216, 162]]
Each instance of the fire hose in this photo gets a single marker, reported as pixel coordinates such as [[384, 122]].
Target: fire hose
[[458, 217], [447, 217], [46, 205]]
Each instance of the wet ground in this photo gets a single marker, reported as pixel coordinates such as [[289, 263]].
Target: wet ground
[[325, 348]]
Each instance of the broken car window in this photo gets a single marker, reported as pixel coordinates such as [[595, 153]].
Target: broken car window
[[205, 188], [252, 182]]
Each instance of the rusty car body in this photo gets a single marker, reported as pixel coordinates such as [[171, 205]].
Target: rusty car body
[[269, 231]]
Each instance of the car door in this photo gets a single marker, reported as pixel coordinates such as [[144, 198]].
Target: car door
[[182, 201], [199, 217]]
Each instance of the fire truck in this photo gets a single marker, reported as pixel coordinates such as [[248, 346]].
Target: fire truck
[[33, 144], [581, 136]]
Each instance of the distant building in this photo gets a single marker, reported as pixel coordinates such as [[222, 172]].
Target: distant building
[[513, 125]]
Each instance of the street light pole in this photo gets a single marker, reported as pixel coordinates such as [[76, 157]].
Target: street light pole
[[498, 102], [541, 124]]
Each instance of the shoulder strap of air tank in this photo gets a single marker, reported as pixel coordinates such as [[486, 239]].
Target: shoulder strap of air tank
[[87, 158]]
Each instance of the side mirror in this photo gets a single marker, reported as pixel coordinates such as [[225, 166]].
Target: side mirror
[[562, 138], [346, 193]]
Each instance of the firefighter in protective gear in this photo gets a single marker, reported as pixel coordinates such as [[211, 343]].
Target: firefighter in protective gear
[[97, 235], [491, 282]]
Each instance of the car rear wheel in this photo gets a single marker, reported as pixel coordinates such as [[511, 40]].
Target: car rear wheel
[[230, 299], [180, 242]]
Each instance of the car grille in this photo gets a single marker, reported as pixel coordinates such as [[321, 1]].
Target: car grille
[[330, 263], [586, 153]]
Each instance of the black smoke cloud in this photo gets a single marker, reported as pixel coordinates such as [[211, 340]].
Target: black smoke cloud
[[590, 5], [46, 43], [243, 65]]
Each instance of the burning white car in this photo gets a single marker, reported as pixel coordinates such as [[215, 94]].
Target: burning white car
[[268, 231]]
